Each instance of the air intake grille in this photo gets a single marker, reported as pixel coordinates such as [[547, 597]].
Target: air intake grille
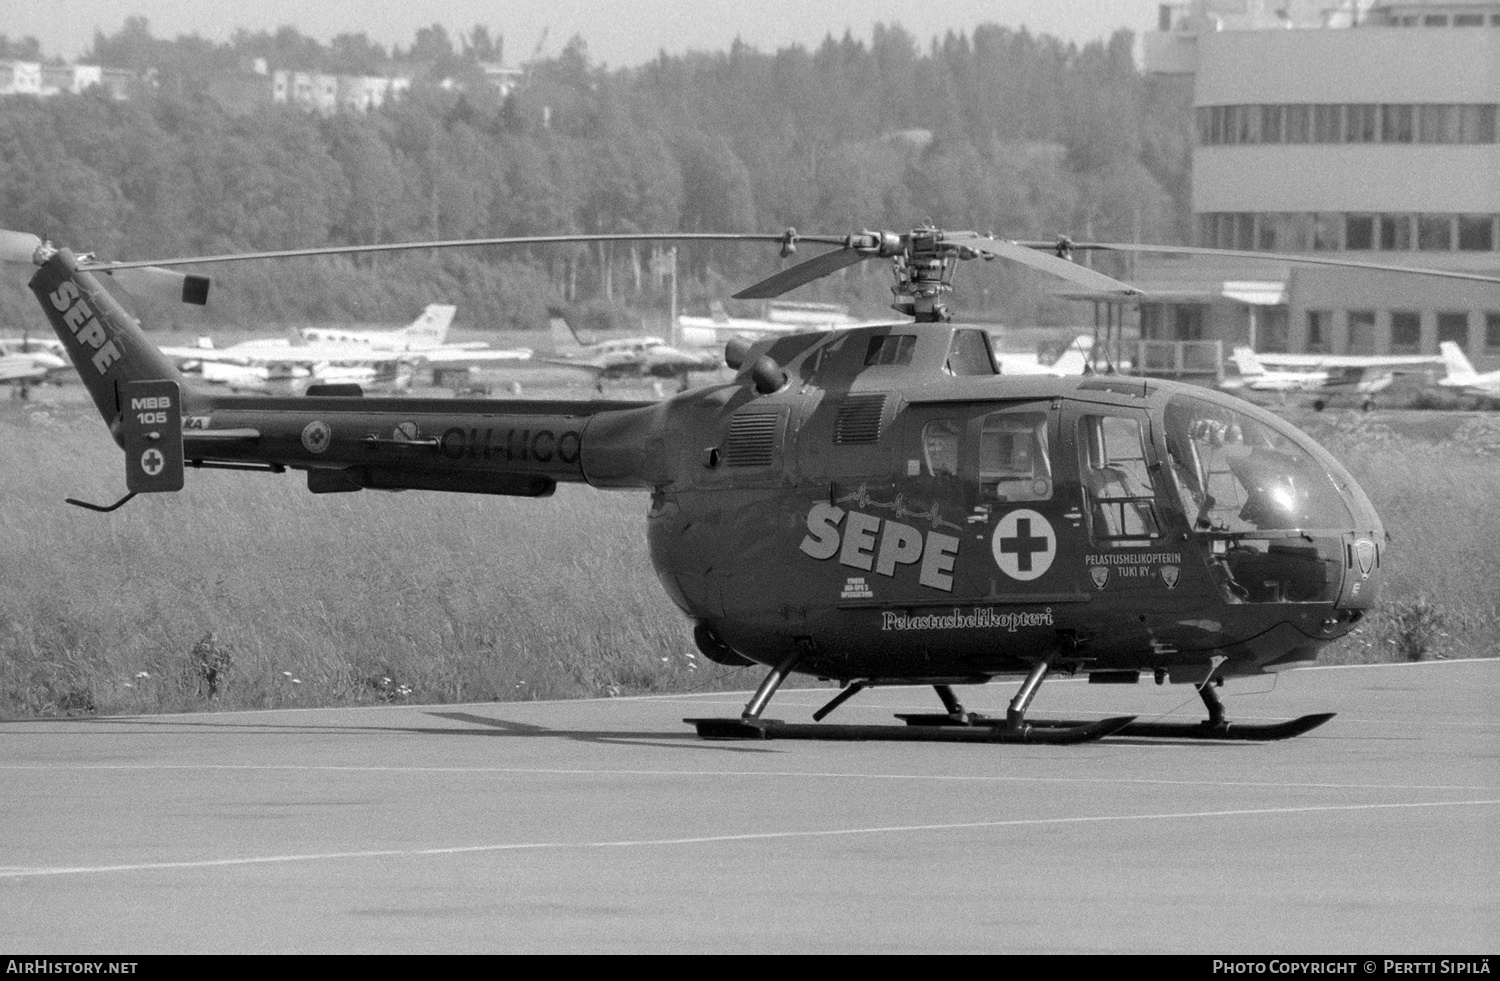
[[859, 419], [752, 439]]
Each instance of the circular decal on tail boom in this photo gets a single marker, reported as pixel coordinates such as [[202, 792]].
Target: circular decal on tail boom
[[316, 436], [1024, 544]]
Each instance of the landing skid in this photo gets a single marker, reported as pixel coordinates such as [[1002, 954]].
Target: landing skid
[[1034, 732], [1244, 731], [960, 726]]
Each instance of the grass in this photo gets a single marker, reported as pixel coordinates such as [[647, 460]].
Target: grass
[[1435, 482], [245, 591]]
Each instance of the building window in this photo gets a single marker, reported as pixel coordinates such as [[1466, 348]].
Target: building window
[[1328, 124], [1435, 233], [1244, 231], [1270, 124], [1361, 331], [1453, 327], [1476, 124], [1492, 332], [1294, 231], [1266, 238], [1187, 322], [1327, 229], [1298, 123], [1476, 233], [1437, 124], [1152, 322], [1395, 233], [1318, 339], [1406, 332], [1435, 20], [1396, 124], [1468, 20], [1234, 117], [1432, 123], [1359, 232], [1362, 123], [1273, 330]]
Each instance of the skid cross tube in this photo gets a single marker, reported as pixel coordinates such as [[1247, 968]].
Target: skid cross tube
[[846, 693], [757, 703], [1015, 714], [951, 703]]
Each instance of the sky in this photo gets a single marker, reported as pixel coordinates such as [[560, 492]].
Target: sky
[[619, 33]]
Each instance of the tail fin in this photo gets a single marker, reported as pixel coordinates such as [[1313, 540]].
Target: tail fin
[[1244, 358], [104, 342], [1460, 369], [431, 328], [564, 337], [1071, 362]]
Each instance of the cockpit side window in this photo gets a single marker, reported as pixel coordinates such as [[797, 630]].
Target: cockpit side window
[[1117, 480], [940, 439], [1014, 463]]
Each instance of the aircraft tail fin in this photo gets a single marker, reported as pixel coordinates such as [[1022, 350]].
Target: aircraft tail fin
[[1460, 369], [564, 337], [1244, 358], [430, 329], [1073, 361], [136, 388], [105, 344]]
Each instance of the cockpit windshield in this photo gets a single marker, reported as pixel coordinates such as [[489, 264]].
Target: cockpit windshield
[[1237, 473]]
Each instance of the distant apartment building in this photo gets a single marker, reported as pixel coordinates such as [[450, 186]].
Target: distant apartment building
[[1364, 131], [20, 78], [328, 94], [38, 79]]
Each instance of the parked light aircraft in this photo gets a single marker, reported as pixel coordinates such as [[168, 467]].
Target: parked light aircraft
[[1073, 361], [428, 331], [627, 357], [279, 366], [386, 359], [1461, 374], [1361, 376], [782, 318], [26, 361]]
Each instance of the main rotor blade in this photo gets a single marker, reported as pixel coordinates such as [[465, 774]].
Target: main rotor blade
[[1051, 264], [462, 243], [1301, 259], [803, 272], [162, 285], [18, 247]]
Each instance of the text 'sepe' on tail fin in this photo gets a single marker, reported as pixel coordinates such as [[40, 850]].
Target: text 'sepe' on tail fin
[[134, 386]]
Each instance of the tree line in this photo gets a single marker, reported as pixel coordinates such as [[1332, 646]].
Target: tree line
[[995, 130]]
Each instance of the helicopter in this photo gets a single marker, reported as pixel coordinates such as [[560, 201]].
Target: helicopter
[[872, 506]]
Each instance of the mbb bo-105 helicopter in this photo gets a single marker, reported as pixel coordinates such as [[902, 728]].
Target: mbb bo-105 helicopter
[[874, 505]]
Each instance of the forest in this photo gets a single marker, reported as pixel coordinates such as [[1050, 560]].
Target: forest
[[996, 130]]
